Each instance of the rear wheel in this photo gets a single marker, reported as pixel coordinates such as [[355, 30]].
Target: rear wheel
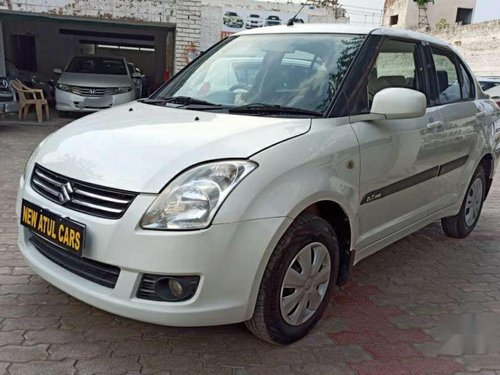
[[297, 282], [465, 221]]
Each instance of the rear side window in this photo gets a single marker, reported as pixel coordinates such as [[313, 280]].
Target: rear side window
[[449, 89], [397, 65], [467, 86]]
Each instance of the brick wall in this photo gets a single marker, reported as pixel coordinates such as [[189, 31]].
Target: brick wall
[[185, 14], [479, 43]]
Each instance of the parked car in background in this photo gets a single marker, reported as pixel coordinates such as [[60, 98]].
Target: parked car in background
[[488, 82], [296, 20], [494, 93], [8, 100], [139, 79], [253, 21], [273, 21], [249, 199], [231, 19], [92, 83], [33, 80]]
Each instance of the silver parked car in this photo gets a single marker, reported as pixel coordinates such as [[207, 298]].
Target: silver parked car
[[91, 83]]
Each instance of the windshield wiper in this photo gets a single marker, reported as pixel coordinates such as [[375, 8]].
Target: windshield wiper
[[273, 109], [183, 100]]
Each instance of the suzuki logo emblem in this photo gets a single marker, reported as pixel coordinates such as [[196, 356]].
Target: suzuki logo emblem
[[65, 194]]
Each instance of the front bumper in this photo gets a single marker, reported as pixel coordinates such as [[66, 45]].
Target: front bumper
[[69, 102], [229, 258]]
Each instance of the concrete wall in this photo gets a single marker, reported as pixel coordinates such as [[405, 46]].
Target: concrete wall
[[211, 15], [185, 14], [478, 43], [408, 11]]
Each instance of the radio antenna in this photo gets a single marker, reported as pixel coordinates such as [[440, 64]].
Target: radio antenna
[[290, 22]]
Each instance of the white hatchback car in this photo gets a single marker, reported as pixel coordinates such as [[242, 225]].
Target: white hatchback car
[[212, 203]]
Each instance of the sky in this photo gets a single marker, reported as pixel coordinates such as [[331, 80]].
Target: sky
[[487, 10]]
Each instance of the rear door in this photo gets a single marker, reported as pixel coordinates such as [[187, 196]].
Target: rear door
[[399, 159], [462, 122]]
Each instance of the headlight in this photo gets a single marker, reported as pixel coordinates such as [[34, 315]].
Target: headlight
[[63, 87], [192, 199], [123, 90]]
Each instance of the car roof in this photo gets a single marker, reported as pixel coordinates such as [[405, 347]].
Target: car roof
[[343, 28]]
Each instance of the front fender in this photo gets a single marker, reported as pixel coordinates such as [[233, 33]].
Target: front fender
[[322, 164]]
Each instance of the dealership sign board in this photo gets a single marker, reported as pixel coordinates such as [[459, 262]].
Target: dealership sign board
[[238, 19]]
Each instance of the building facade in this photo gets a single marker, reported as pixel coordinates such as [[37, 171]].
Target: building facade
[[409, 15], [212, 14], [158, 36]]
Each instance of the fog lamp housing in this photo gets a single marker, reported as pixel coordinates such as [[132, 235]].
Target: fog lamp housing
[[167, 288]]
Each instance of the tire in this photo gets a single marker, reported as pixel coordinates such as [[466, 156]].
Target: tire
[[462, 224], [308, 234]]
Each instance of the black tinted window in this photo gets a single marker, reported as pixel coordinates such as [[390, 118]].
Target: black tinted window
[[97, 65]]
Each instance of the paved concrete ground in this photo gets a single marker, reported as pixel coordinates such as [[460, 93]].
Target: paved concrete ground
[[427, 304]]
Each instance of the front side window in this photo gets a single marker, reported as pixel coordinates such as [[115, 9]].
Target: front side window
[[290, 70], [449, 89], [396, 66], [97, 65]]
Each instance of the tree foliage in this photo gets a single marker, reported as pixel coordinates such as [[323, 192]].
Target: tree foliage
[[325, 3]]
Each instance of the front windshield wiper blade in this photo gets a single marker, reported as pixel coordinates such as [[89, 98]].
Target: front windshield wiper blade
[[273, 108], [183, 100]]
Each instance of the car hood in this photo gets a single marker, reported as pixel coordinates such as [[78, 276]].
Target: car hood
[[94, 80], [141, 147]]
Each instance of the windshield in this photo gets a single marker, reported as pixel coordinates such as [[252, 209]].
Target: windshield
[[97, 65], [294, 70]]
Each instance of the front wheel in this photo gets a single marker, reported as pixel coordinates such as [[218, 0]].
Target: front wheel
[[462, 224], [297, 282]]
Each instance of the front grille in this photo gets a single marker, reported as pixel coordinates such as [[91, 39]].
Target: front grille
[[81, 196], [92, 91], [97, 272]]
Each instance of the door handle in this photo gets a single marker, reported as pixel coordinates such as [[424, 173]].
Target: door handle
[[435, 125], [481, 114]]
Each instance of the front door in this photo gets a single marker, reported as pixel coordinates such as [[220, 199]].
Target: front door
[[399, 160]]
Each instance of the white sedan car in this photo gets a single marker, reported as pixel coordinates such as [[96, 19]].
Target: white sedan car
[[92, 83], [213, 203]]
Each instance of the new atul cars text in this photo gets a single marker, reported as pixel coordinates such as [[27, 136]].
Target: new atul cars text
[[246, 188]]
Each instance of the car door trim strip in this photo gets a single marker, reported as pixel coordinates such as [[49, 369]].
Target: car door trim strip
[[414, 180], [452, 165]]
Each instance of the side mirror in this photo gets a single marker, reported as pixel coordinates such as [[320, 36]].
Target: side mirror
[[399, 103], [57, 70], [136, 75]]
